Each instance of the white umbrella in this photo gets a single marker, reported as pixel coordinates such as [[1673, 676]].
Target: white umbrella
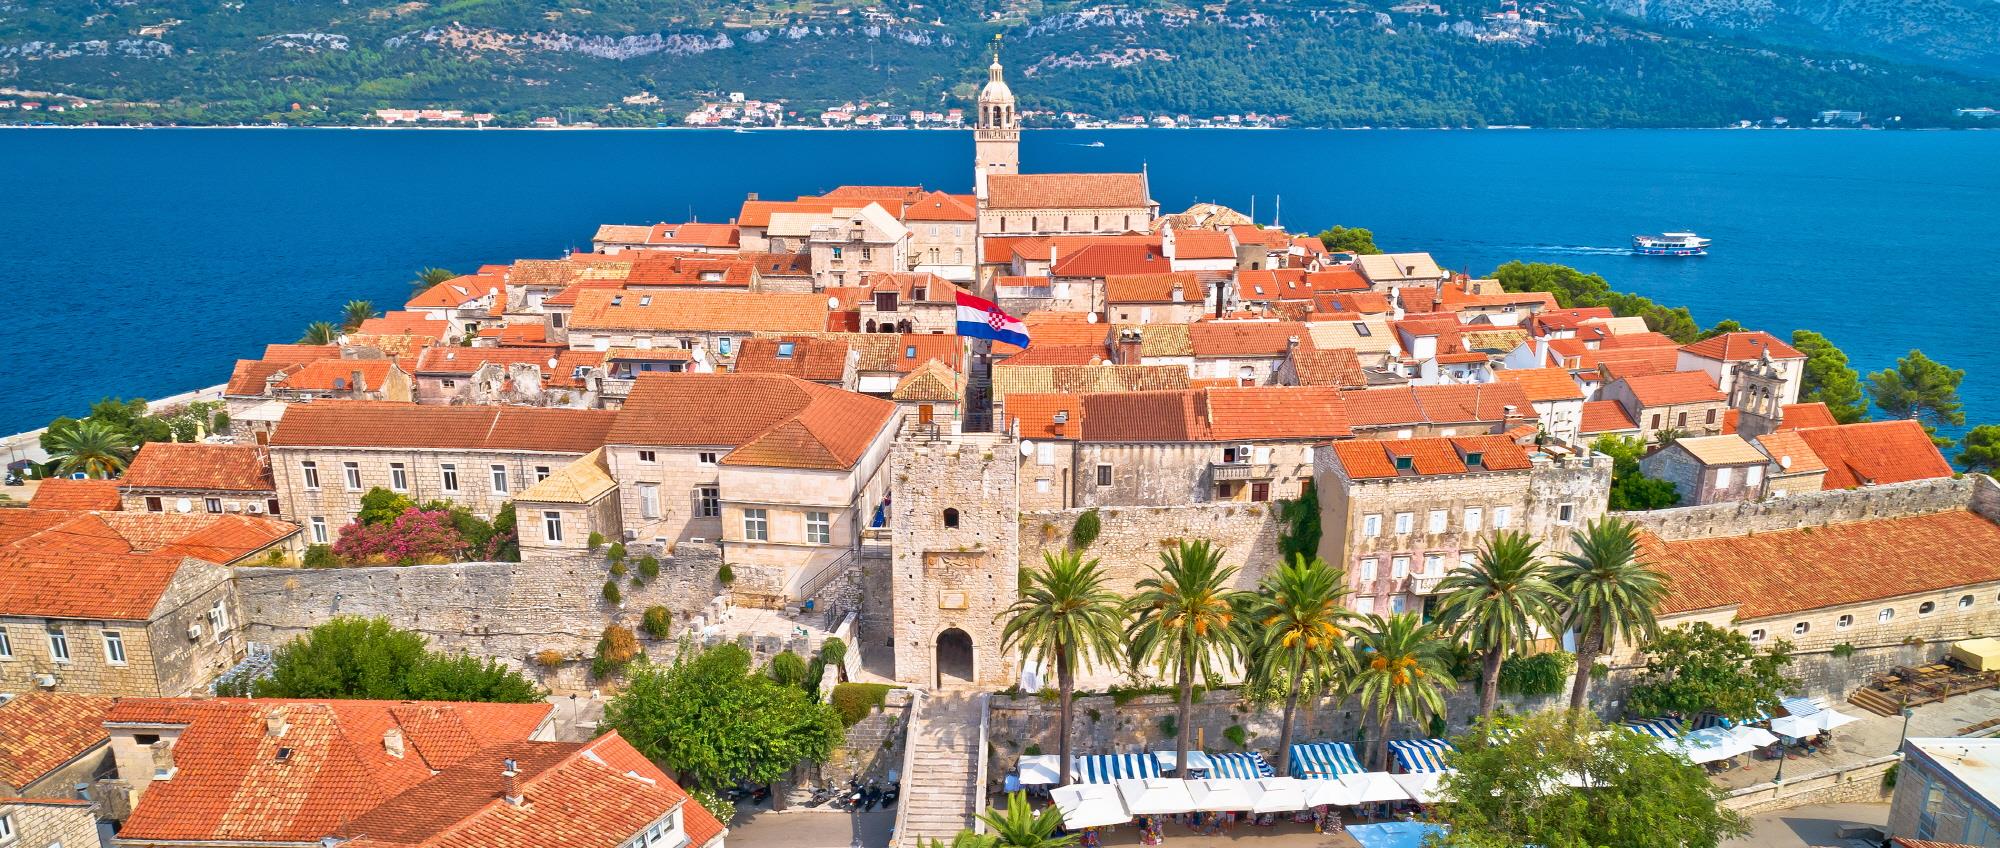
[[1423, 788], [1708, 745], [1280, 795], [1215, 796], [1155, 796], [1331, 793], [1197, 761], [1089, 805], [1830, 719], [1796, 727], [1040, 769], [1755, 737], [1372, 786]]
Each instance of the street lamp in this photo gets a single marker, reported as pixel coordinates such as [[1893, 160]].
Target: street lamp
[[1907, 712]]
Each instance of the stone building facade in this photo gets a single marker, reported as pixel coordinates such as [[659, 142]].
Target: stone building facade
[[48, 822], [191, 635], [955, 540]]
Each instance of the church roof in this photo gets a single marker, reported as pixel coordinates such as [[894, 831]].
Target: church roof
[[1066, 191]]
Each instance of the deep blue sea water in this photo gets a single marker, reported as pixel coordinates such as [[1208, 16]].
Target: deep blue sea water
[[143, 262]]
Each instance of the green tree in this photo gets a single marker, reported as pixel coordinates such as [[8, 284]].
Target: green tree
[[353, 657], [789, 669], [1496, 605], [463, 677], [1019, 826], [1401, 673], [1828, 379], [1921, 389], [1349, 240], [1300, 629], [1576, 289], [713, 720], [1700, 667], [428, 277], [355, 312], [1981, 449], [1570, 782], [1722, 327], [1300, 521], [1064, 617], [1185, 623], [1607, 592], [91, 447], [320, 333], [657, 622], [381, 506], [1631, 489]]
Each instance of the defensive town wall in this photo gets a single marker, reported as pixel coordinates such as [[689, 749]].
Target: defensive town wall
[[1975, 492], [1131, 538]]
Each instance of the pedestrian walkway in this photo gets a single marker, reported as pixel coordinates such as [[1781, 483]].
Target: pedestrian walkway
[[941, 791]]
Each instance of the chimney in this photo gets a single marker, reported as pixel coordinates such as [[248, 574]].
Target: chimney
[[1128, 346], [753, 196], [354, 382], [392, 742], [512, 794], [1059, 422], [274, 724], [163, 759]]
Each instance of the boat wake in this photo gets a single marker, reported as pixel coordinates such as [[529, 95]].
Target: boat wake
[[1572, 249]]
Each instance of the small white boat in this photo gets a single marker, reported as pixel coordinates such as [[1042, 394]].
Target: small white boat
[[1670, 244], [1095, 144]]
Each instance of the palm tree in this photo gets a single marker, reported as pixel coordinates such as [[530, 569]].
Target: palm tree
[[1186, 622], [1300, 628], [1019, 827], [1607, 593], [1064, 615], [428, 277], [95, 448], [319, 333], [355, 312], [1497, 603], [1401, 672]]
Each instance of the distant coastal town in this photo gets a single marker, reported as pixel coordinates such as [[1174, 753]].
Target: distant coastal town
[[1034, 516]]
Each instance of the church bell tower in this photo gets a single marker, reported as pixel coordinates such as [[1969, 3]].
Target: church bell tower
[[997, 137]]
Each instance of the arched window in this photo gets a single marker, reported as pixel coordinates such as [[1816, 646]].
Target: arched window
[[951, 518], [870, 325]]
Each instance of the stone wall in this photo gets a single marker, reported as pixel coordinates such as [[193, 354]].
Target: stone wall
[[507, 611], [954, 536], [874, 745], [1975, 492], [1131, 538], [50, 822], [1857, 784]]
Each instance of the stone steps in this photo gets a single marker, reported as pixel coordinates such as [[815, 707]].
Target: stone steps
[[940, 792]]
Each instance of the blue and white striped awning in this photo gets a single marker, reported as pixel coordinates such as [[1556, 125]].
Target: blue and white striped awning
[[1323, 760], [1708, 720], [1106, 768], [1242, 765], [1799, 706], [1664, 727], [1420, 756]]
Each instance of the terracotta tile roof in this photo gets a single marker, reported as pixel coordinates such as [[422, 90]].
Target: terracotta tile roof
[[1035, 415], [1632, 362], [229, 538], [893, 352], [519, 335], [769, 419], [1215, 415], [939, 206], [1152, 288], [1793, 416], [1734, 347], [18, 524], [1792, 571], [1339, 368], [40, 731], [779, 264], [906, 284], [1374, 459], [1366, 302], [1245, 338], [247, 380], [1104, 258], [695, 235], [807, 358], [1272, 238], [1066, 191], [1203, 244], [1454, 298], [1418, 300], [757, 213], [1606, 416], [65, 493], [569, 296], [460, 291], [1542, 384], [373, 424], [1567, 318], [1624, 341], [931, 381], [1340, 278], [699, 311], [1161, 339], [1402, 405], [687, 269], [1726, 449], [581, 481], [180, 465], [335, 375], [79, 569], [1046, 354], [1875, 452], [465, 360], [405, 323], [1675, 387], [1791, 453], [1065, 329], [1083, 379], [231, 786]]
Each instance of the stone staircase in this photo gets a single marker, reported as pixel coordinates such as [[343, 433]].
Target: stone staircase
[[941, 777]]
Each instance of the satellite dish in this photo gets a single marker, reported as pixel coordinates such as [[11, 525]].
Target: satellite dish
[[184, 506], [1090, 317], [700, 354], [1027, 448], [552, 362], [1785, 462], [832, 303]]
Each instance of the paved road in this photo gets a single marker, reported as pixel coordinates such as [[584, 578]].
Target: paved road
[[1811, 827], [812, 829]]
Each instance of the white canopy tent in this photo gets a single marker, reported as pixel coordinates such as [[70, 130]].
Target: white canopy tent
[[1708, 745], [1755, 737], [1280, 795], [1215, 796], [1332, 793], [1373, 786], [1155, 796], [1039, 769], [1089, 805], [1423, 787]]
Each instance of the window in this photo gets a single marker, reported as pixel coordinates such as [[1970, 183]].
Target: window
[[552, 526], [1682, 420], [1399, 567], [1711, 415], [153, 505], [271, 506], [724, 345], [819, 528], [218, 620], [499, 478], [1398, 604], [785, 349], [350, 473], [1757, 635], [867, 253], [450, 474], [648, 456], [6, 645], [1965, 602], [1801, 628], [705, 457], [1433, 565], [1045, 454], [1722, 478], [756, 527], [1405, 463], [1565, 513], [885, 301], [649, 500], [59, 646], [1502, 516], [1404, 521], [319, 530], [399, 477], [1104, 475], [1474, 517], [310, 470], [1364, 606], [213, 505], [951, 518], [541, 473], [1887, 614], [708, 501], [1371, 526], [1927, 607], [1656, 421], [1753, 475], [1843, 622], [6, 828], [1474, 459], [114, 647], [1437, 522], [1369, 567]]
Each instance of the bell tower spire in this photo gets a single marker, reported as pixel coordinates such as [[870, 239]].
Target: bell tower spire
[[997, 133]]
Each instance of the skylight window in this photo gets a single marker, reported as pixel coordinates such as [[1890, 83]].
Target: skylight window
[[1361, 329], [785, 350]]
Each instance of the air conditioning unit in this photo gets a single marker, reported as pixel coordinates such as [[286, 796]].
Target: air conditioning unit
[[255, 509], [631, 535], [46, 681], [232, 507], [194, 632], [698, 540]]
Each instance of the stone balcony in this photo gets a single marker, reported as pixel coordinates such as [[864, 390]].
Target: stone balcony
[[1425, 584], [1227, 471]]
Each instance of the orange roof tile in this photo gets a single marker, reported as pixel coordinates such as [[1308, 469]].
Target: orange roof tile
[[1171, 287], [699, 311], [1793, 571], [1630, 362], [939, 206], [685, 269], [817, 360], [757, 213], [1048, 354], [1674, 387], [336, 375], [1437, 405], [1793, 416], [405, 323], [1875, 453], [1066, 191], [1104, 258], [1215, 415], [203, 467], [1374, 459], [1790, 452], [1605, 416], [80, 569], [41, 731], [377, 424], [1339, 368], [1212, 339], [1203, 244], [1542, 384], [459, 291], [1735, 347], [1035, 414], [248, 378], [769, 419], [65, 493], [1340, 278]]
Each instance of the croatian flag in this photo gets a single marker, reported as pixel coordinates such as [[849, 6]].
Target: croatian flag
[[980, 319]]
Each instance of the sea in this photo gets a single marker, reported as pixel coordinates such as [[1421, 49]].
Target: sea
[[143, 262]]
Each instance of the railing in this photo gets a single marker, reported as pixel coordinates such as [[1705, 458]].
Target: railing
[[1222, 471], [615, 387], [825, 574], [1043, 292], [1425, 584]]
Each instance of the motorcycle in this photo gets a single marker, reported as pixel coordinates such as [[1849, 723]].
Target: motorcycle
[[889, 795]]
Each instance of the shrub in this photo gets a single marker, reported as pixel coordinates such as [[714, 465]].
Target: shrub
[[1843, 650], [618, 568], [1170, 727], [649, 566], [1889, 777], [725, 574], [549, 658], [1085, 530], [416, 536], [1536, 674], [1095, 716], [320, 556], [789, 670], [611, 592], [658, 622], [615, 649], [1033, 750], [616, 553], [382, 506], [854, 701], [1237, 736], [833, 651], [274, 557], [596, 541]]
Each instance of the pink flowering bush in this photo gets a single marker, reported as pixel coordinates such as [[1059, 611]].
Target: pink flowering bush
[[416, 537]]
